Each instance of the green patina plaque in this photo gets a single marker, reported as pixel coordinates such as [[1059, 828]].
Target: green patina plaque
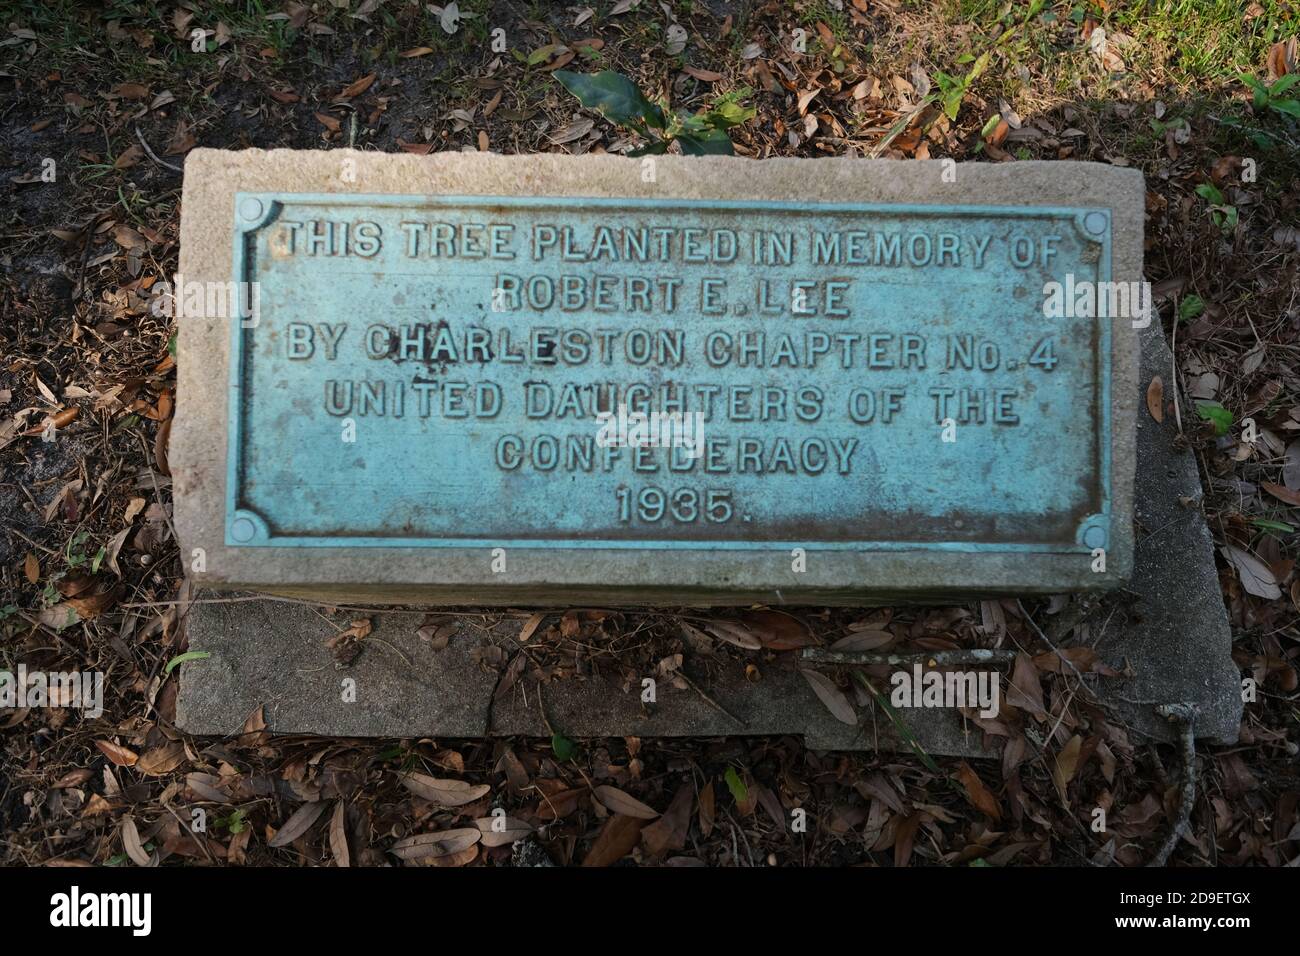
[[619, 373]]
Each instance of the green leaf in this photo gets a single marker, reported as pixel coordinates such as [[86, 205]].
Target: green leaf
[[180, 659], [1269, 525], [541, 53], [728, 114], [171, 345], [713, 142], [1251, 81], [563, 747], [1290, 107], [739, 792], [1190, 308], [1217, 414], [899, 725], [1284, 83], [614, 96], [1210, 192]]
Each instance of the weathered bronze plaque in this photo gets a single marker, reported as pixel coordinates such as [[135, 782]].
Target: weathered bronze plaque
[[718, 381], [436, 372]]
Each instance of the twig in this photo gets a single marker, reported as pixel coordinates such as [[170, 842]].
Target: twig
[[1173, 373], [391, 647], [1047, 640], [709, 700], [1184, 716], [973, 655], [151, 154]]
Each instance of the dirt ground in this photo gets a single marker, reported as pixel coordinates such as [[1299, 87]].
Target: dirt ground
[[99, 105]]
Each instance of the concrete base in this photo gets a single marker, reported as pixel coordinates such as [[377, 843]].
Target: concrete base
[[1169, 629]]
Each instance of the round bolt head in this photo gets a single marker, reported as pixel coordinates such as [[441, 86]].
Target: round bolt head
[[1095, 223], [251, 209], [242, 529], [1095, 537]]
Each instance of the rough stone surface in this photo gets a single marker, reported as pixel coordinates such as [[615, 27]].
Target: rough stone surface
[[272, 654], [1170, 626], [564, 576]]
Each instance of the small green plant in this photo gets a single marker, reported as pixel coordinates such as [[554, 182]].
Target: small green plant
[[952, 89], [562, 747], [1190, 308], [74, 553], [1215, 414], [739, 792], [1222, 214], [236, 822], [1270, 97], [619, 100]]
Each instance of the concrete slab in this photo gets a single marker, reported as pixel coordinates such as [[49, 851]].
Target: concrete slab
[[1169, 627], [865, 533], [273, 654]]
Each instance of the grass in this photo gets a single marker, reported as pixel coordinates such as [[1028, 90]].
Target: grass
[[1184, 42]]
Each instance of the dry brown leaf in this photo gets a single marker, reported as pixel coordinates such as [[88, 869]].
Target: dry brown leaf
[[1156, 398], [1281, 493], [132, 91], [1256, 576], [734, 633], [444, 792], [32, 568], [298, 823], [73, 778], [129, 157], [1025, 691], [500, 830], [118, 754], [530, 626], [1066, 765], [707, 809], [161, 760], [132, 844], [616, 839], [90, 606], [669, 831], [778, 631], [444, 843], [704, 76], [254, 733], [339, 836], [831, 696], [904, 835], [357, 87], [449, 860], [981, 798], [618, 801]]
